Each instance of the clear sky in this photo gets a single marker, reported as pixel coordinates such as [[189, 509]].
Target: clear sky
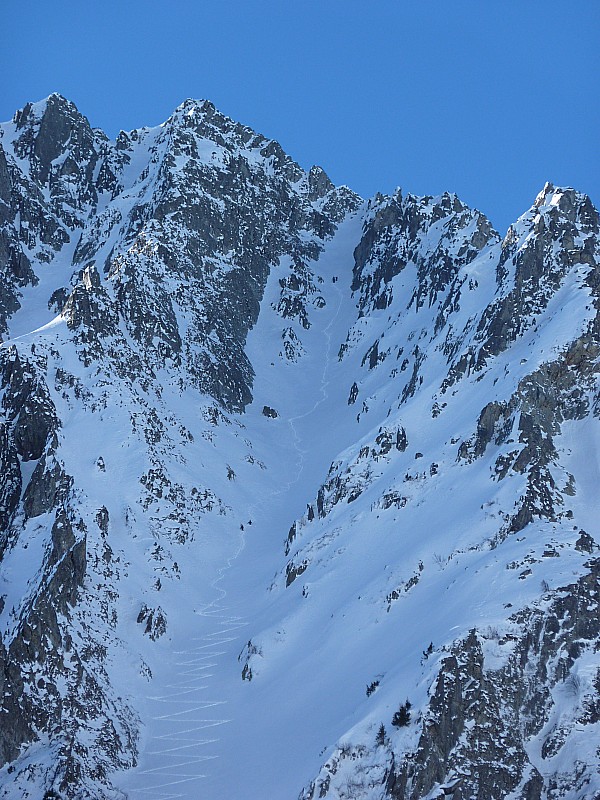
[[487, 98]]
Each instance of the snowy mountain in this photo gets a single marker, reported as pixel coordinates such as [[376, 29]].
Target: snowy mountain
[[298, 492]]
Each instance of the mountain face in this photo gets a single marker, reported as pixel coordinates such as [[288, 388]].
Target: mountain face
[[298, 492]]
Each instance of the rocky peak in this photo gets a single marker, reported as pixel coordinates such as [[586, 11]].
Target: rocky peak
[[318, 183], [61, 152], [48, 130], [550, 244], [435, 235], [208, 123], [576, 206]]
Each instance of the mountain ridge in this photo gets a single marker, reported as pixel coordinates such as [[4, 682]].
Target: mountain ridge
[[254, 427]]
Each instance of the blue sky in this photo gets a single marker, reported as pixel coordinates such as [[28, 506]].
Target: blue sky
[[487, 98]]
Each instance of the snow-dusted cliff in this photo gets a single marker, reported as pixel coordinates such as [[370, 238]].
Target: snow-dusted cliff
[[298, 493]]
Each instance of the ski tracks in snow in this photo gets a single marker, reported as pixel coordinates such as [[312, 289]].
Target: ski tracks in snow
[[183, 723]]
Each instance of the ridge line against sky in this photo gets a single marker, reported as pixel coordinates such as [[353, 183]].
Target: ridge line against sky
[[485, 100]]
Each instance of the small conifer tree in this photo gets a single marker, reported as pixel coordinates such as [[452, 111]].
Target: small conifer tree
[[402, 717]]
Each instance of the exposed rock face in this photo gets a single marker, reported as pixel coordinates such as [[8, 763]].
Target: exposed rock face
[[54, 680], [160, 246], [16, 269], [448, 377], [438, 236], [488, 731], [483, 731]]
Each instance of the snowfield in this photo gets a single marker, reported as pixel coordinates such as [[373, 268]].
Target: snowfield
[[276, 462]]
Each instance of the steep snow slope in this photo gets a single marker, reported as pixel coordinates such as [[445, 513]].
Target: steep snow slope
[[275, 461], [452, 491]]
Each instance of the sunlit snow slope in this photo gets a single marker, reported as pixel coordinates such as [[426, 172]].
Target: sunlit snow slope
[[298, 493]]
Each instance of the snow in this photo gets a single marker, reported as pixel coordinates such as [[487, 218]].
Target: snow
[[381, 585], [342, 633], [22, 571]]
